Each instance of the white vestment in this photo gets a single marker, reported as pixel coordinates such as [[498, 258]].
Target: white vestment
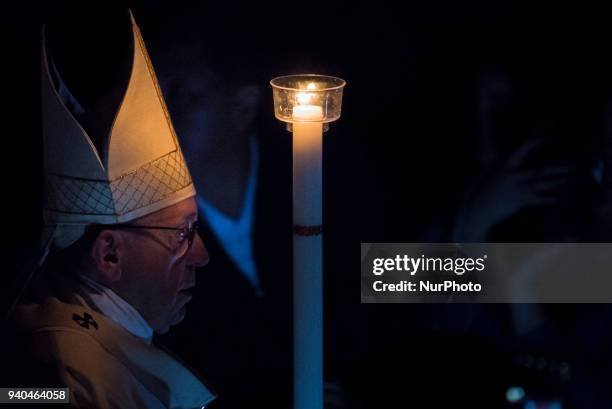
[[105, 366]]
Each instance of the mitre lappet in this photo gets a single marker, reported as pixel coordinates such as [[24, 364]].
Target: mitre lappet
[[138, 169]]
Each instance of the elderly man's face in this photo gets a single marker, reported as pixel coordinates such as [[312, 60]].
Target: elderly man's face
[[155, 276]]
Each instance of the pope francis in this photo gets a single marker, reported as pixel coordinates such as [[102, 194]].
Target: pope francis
[[120, 249]]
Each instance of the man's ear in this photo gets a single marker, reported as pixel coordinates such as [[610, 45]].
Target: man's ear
[[105, 253]]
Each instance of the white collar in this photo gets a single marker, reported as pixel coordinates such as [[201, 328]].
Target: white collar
[[116, 309]]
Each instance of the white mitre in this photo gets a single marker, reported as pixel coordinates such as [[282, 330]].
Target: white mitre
[[140, 170]]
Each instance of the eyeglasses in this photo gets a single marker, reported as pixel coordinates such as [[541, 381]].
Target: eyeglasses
[[186, 235]]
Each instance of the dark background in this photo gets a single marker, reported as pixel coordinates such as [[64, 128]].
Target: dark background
[[395, 167]]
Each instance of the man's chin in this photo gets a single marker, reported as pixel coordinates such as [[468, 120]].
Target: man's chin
[[177, 318], [163, 330]]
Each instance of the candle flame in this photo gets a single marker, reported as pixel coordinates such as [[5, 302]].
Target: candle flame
[[304, 98]]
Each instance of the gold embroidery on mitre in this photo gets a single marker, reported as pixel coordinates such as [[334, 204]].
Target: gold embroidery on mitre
[[142, 187]]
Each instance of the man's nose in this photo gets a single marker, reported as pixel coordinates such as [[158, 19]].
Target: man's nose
[[198, 255]]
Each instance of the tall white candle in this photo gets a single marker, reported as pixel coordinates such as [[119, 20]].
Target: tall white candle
[[306, 109], [307, 255]]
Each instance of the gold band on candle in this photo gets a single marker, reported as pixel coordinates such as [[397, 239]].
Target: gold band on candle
[[315, 230]]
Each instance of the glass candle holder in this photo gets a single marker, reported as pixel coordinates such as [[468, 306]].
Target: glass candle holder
[[307, 98]]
